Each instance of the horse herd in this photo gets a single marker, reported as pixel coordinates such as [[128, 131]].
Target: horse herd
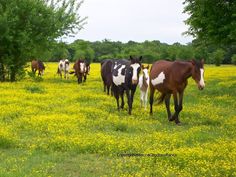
[[81, 68], [167, 77], [121, 76]]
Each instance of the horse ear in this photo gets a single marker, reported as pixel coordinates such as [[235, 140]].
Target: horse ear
[[193, 62], [140, 58], [148, 67], [202, 61], [142, 66], [130, 57]]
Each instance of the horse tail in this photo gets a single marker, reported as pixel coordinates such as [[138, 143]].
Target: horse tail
[[161, 98], [58, 70]]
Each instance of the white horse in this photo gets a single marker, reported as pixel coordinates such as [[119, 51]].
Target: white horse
[[64, 65], [144, 85]]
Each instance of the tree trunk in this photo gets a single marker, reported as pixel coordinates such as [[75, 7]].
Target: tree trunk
[[2, 73], [13, 71]]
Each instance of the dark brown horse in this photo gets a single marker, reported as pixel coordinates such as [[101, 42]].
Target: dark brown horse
[[106, 73], [125, 77], [80, 70], [37, 65], [171, 78]]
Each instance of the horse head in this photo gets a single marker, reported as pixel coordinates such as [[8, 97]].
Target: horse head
[[145, 72], [198, 73], [135, 68]]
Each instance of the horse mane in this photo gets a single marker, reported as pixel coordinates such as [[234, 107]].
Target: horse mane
[[41, 65]]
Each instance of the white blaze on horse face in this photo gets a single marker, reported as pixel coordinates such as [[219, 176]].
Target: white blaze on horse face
[[160, 79], [201, 82], [135, 67], [82, 67], [119, 79]]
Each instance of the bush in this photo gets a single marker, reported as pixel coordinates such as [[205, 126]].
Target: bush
[[217, 57], [233, 60]]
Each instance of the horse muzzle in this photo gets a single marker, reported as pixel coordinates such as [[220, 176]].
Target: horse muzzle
[[201, 86]]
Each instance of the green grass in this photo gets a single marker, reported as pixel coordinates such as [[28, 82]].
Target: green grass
[[54, 127]]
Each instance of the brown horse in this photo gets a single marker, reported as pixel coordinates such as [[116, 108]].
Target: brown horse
[[106, 73], [37, 65], [80, 70], [171, 78]]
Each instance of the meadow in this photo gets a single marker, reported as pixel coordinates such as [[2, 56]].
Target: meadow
[[54, 127]]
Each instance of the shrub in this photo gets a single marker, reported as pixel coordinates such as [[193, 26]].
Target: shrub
[[233, 60], [217, 57]]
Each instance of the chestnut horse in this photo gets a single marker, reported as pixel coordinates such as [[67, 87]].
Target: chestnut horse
[[80, 70], [171, 78], [37, 65]]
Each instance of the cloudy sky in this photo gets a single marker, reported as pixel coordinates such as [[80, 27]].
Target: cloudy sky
[[137, 20]]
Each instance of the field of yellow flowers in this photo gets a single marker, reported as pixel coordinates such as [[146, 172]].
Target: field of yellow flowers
[[54, 127]]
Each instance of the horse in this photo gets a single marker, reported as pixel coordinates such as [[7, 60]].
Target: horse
[[125, 76], [106, 74], [171, 78], [87, 64], [80, 70], [37, 65], [144, 85], [64, 65]]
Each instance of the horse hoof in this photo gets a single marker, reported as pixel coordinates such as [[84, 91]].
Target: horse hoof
[[178, 124], [171, 119]]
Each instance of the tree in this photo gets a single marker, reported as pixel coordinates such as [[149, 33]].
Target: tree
[[218, 56], [82, 50], [59, 51], [212, 22], [33, 26], [234, 59]]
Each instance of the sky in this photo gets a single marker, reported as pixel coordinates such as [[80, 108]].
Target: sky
[[136, 20]]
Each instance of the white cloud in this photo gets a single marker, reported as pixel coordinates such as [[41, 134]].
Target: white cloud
[[137, 20]]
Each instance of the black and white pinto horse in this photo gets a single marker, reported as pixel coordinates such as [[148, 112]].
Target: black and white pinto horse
[[125, 77], [64, 66]]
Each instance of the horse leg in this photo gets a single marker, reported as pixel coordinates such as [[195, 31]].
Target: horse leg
[[178, 106], [145, 99], [104, 85], [129, 100], [60, 74], [79, 79], [122, 99], [167, 103], [141, 98], [85, 77], [116, 94], [108, 89], [152, 90]]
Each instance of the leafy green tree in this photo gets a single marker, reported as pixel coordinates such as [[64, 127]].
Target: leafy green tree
[[82, 50], [213, 22], [59, 51], [234, 59], [29, 27], [218, 56]]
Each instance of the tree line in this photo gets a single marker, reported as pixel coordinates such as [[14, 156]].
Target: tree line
[[30, 29], [150, 50]]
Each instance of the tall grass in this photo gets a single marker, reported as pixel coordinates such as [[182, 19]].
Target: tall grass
[[59, 128]]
